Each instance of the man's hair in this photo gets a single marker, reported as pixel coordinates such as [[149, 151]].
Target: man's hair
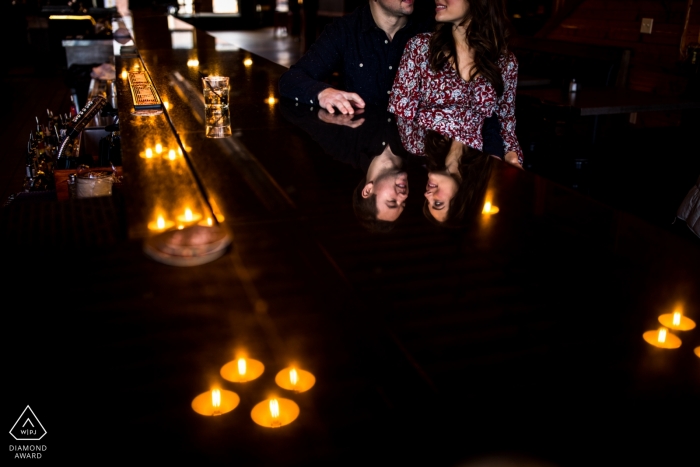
[[487, 33], [474, 168], [366, 210]]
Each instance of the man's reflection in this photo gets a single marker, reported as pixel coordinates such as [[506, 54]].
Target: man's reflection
[[367, 140], [457, 179], [381, 195]]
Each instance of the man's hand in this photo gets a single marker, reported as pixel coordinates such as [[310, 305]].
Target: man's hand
[[512, 158], [331, 99], [338, 119]]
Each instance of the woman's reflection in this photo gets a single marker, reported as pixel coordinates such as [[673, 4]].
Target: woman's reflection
[[367, 140], [457, 179]]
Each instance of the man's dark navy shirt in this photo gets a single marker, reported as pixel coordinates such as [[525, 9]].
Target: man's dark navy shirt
[[356, 47]]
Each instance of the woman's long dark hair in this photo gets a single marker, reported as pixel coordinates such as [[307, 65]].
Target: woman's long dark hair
[[475, 170], [487, 34]]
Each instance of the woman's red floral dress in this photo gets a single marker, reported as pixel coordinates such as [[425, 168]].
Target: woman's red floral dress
[[444, 102]]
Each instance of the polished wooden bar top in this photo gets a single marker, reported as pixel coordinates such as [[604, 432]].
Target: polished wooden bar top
[[518, 335]]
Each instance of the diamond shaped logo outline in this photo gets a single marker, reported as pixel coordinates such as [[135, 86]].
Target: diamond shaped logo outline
[[35, 418]]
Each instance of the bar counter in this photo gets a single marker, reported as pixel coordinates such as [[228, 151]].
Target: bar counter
[[519, 336]]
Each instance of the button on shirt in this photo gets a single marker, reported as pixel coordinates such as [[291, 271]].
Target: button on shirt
[[360, 50]]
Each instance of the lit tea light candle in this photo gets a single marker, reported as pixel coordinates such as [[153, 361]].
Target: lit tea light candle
[[271, 100], [160, 224], [148, 153], [215, 402], [247, 62], [275, 412], [188, 217], [242, 370], [193, 62], [677, 321], [125, 74], [489, 208], [171, 155], [159, 148], [662, 339], [295, 379]]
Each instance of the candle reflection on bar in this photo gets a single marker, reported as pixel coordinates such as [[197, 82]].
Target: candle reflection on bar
[[295, 379], [662, 339], [215, 402], [242, 370], [275, 412]]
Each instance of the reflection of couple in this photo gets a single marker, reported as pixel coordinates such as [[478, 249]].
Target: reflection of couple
[[455, 81]]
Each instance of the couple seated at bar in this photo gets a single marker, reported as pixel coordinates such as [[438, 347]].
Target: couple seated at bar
[[459, 80]]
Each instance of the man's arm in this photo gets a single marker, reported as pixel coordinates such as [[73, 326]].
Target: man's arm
[[305, 80]]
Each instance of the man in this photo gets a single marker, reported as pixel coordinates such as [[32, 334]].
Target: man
[[365, 47]]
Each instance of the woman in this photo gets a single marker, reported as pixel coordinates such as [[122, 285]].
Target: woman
[[451, 80], [457, 179]]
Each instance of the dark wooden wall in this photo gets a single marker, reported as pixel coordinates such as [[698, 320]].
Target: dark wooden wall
[[656, 64]]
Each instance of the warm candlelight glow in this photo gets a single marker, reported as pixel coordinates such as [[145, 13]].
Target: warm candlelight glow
[[161, 223], [242, 370], [271, 100], [216, 398], [489, 208], [149, 153], [171, 155], [662, 339], [193, 62], [275, 412], [215, 402], [274, 408], [166, 104], [125, 74], [188, 217], [697, 351], [295, 379], [247, 62], [676, 318], [662, 335], [677, 321], [159, 148]]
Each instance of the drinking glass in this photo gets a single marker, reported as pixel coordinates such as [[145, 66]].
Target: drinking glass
[[216, 110]]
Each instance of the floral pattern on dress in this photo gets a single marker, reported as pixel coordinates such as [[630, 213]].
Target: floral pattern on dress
[[444, 102]]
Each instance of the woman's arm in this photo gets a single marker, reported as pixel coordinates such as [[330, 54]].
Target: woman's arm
[[506, 111], [406, 92]]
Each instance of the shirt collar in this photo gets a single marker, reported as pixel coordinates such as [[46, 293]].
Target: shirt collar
[[367, 21]]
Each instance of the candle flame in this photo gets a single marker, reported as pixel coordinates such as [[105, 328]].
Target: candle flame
[[676, 318], [274, 408], [188, 214], [662, 335], [210, 222], [193, 62], [293, 377], [171, 155], [166, 104], [216, 398], [489, 208], [247, 62], [149, 153], [159, 148], [241, 366], [271, 100], [125, 74], [160, 223]]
